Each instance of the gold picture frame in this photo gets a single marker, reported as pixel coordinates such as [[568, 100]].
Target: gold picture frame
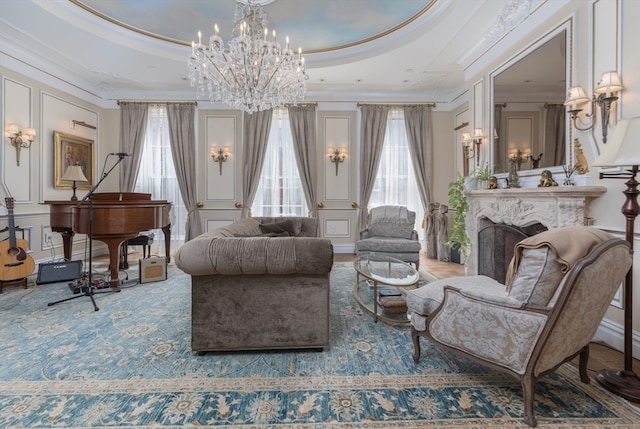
[[72, 150]]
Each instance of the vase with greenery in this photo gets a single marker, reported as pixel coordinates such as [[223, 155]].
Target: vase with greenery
[[458, 203], [482, 175]]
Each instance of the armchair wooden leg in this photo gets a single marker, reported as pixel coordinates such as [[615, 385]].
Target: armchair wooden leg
[[416, 344], [582, 364], [528, 391]]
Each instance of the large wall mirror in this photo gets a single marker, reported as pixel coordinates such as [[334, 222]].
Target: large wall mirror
[[529, 118]]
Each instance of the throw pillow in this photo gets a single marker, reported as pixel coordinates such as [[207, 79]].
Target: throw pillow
[[278, 228]]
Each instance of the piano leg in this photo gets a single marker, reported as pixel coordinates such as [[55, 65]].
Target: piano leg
[[67, 235], [113, 243], [167, 241]]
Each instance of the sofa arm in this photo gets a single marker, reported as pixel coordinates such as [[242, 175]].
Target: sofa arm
[[255, 255], [500, 334]]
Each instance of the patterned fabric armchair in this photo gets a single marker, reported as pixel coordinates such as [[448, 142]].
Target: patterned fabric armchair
[[390, 232], [559, 286]]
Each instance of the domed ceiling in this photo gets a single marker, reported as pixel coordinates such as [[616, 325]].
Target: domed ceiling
[[316, 26]]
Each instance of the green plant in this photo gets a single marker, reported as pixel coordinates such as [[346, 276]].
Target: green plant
[[482, 173], [458, 203]]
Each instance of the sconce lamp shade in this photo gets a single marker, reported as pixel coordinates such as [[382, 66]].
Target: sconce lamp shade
[[466, 138], [610, 82], [576, 96], [30, 133], [624, 147], [12, 129], [478, 134], [74, 173]]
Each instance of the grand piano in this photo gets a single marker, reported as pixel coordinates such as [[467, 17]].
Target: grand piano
[[117, 216]]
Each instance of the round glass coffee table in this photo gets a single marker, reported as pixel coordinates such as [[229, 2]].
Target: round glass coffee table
[[374, 271]]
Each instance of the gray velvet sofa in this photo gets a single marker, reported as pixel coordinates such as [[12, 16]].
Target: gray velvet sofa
[[259, 283]]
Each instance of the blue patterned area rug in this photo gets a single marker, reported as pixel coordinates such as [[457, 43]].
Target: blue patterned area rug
[[130, 365]]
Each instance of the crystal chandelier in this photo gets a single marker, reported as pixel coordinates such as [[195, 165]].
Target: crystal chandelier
[[254, 72]]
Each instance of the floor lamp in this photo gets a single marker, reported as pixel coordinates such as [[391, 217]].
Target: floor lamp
[[623, 150]]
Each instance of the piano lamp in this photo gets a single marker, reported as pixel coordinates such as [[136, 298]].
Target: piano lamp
[[74, 173], [622, 151]]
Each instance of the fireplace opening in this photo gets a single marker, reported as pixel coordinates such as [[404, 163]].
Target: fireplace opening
[[496, 244]]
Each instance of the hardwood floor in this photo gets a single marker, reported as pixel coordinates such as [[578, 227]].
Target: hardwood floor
[[601, 355]]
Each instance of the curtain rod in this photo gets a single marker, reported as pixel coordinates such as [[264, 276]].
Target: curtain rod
[[397, 105], [120, 102], [300, 104]]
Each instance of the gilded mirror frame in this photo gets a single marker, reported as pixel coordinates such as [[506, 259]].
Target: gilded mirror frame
[[567, 28]]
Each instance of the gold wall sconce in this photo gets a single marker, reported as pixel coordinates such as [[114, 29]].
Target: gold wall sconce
[[337, 156], [607, 90], [220, 155], [20, 139], [471, 144], [74, 173]]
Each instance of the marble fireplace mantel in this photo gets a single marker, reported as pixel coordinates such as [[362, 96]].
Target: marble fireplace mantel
[[553, 207]]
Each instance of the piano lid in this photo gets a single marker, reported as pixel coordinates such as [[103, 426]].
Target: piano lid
[[121, 196]]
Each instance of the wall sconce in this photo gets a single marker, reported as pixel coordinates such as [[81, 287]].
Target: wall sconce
[[220, 155], [606, 89], [74, 173], [472, 150], [337, 156], [20, 139]]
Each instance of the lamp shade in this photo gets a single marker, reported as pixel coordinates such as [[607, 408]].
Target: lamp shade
[[478, 134], [576, 96], [610, 82], [624, 147], [74, 173], [466, 138]]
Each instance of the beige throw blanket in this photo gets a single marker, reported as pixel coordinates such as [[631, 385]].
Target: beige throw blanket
[[568, 251]]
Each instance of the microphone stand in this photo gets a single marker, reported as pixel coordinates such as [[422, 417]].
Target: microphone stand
[[89, 289]]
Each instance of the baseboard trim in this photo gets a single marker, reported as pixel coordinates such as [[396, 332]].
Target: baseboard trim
[[613, 334]]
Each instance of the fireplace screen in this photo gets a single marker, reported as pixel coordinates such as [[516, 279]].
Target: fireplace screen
[[496, 244]]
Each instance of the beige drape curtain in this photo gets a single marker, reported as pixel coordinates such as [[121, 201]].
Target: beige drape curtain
[[256, 137], [181, 121], [302, 119], [554, 140], [373, 126], [417, 120], [133, 126]]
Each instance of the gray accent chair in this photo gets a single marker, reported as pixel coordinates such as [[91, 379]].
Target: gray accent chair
[[545, 315], [259, 283], [390, 231]]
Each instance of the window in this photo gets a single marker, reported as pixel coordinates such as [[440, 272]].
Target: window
[[280, 191], [157, 175], [396, 181]]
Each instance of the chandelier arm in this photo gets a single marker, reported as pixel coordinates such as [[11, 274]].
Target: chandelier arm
[[218, 70]]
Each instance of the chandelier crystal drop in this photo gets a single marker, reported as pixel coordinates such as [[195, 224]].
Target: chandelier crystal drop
[[254, 72]]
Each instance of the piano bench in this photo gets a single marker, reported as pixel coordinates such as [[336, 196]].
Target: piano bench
[[143, 240]]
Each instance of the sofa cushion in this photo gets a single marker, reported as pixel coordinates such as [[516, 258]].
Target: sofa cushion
[[538, 276], [386, 244], [280, 229], [427, 298], [302, 226], [241, 228]]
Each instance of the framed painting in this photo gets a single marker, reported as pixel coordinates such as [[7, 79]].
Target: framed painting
[[72, 150]]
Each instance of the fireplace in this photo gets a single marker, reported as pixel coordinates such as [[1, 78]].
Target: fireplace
[[524, 209]]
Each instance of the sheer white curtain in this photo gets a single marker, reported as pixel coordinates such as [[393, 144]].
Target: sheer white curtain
[[280, 189], [395, 182], [157, 175]]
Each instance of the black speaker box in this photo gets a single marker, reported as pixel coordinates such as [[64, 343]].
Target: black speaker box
[[53, 272]]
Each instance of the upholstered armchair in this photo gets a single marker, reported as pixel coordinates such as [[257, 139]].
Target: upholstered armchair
[[390, 231], [559, 286]]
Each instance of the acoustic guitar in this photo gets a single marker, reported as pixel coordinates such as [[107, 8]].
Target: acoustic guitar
[[15, 263]]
